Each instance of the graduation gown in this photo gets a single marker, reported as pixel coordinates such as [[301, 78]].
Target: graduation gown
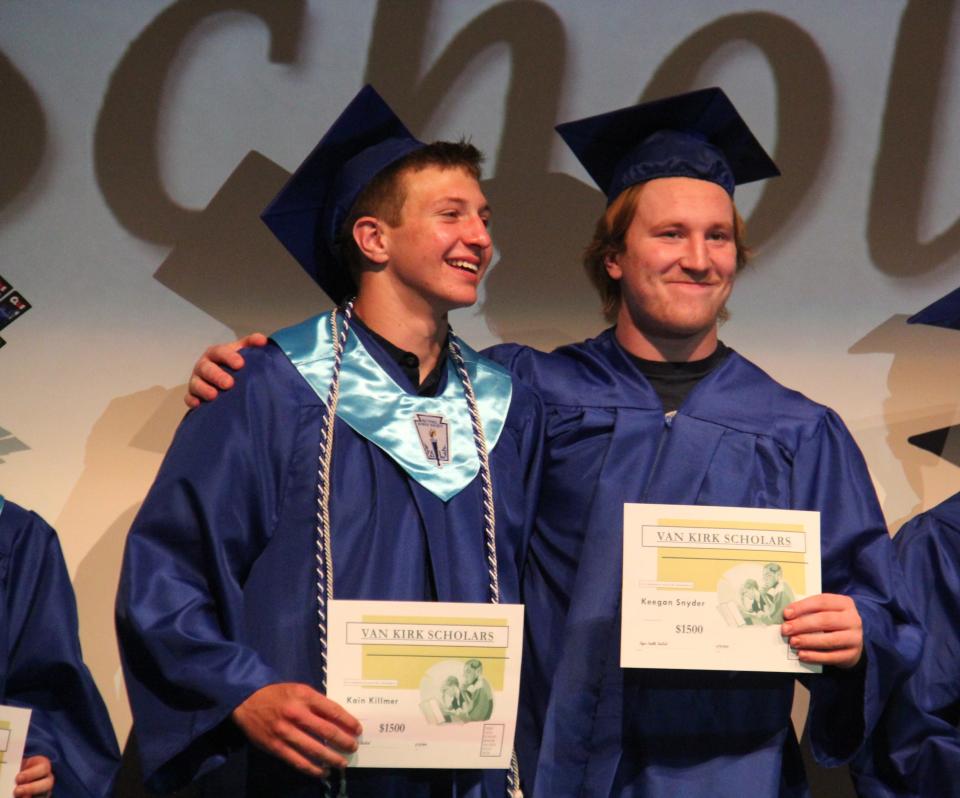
[[41, 667], [915, 751], [218, 590], [739, 439]]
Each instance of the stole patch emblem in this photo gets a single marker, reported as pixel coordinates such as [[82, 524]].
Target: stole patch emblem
[[434, 438]]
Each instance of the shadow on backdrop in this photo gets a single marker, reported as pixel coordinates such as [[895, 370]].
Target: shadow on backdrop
[[23, 132], [10, 444], [943, 442], [922, 398], [904, 157], [229, 265]]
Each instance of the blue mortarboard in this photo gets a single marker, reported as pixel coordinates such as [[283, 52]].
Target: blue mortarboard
[[307, 214], [945, 312], [698, 134]]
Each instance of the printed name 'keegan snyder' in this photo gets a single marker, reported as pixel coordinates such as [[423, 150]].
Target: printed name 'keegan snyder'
[[647, 602]]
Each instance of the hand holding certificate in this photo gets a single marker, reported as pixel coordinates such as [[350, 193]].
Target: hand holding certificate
[[14, 723], [434, 684], [297, 724], [825, 629], [705, 588]]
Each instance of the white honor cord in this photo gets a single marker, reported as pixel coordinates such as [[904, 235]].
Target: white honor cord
[[324, 479], [323, 545], [486, 483]]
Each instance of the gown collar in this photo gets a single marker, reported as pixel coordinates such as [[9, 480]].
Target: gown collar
[[429, 437]]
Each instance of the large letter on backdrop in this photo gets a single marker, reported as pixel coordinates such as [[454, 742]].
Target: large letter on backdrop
[[125, 143], [903, 163], [24, 132]]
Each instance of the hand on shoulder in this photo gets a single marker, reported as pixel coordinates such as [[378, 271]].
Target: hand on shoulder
[[209, 375]]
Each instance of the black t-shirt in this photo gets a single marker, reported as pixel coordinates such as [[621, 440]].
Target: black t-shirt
[[673, 381]]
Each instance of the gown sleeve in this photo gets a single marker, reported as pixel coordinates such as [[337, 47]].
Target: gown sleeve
[[859, 561], [180, 606], [44, 669]]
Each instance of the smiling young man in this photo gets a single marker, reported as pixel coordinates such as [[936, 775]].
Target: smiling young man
[[676, 268], [657, 409], [428, 473]]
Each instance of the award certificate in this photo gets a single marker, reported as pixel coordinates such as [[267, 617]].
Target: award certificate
[[14, 722], [434, 684], [704, 588]]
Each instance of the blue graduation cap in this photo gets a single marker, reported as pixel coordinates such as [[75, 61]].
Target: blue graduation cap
[[698, 134], [945, 312], [307, 214]]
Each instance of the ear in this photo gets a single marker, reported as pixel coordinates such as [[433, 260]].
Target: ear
[[613, 267], [370, 236]]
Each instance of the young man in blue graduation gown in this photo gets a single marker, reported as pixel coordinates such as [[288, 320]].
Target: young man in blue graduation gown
[[915, 750], [657, 409], [218, 604], [71, 747]]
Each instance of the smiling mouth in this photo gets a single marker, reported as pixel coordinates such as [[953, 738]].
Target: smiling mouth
[[464, 265]]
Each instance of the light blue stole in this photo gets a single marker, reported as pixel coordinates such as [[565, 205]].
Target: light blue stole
[[400, 423]]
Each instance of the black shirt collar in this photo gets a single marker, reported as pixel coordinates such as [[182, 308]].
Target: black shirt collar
[[409, 363], [672, 382]]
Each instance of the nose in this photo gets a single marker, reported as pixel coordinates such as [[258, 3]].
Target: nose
[[696, 258], [477, 234]]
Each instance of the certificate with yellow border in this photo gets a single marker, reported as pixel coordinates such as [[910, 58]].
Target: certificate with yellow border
[[704, 588], [14, 723], [434, 684]]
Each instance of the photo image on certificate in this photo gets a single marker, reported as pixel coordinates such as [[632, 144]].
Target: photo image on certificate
[[704, 588], [749, 595], [434, 684], [456, 691]]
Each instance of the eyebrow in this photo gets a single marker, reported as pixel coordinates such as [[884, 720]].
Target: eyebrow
[[678, 222], [485, 208]]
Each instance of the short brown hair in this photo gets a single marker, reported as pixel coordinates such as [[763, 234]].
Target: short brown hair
[[384, 196], [609, 240]]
